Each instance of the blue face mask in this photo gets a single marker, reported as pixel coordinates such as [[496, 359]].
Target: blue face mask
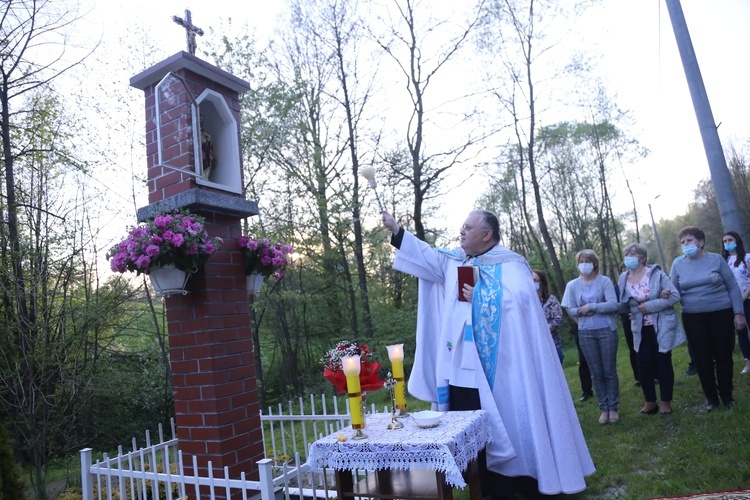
[[536, 286], [730, 247], [631, 262], [586, 268], [690, 250]]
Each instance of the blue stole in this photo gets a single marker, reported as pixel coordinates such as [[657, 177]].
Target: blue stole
[[486, 318], [486, 314]]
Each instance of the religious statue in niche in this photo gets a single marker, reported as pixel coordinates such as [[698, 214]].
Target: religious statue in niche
[[207, 152]]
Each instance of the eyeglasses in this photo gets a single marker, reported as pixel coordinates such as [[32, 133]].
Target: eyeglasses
[[466, 228]]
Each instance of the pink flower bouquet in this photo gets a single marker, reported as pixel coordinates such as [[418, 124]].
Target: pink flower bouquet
[[179, 238], [264, 257]]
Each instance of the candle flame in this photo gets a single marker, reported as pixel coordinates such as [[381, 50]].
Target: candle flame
[[350, 365], [395, 352]]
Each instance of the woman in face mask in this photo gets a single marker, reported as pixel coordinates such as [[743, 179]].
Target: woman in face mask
[[656, 329], [552, 310], [591, 298], [739, 263], [711, 310]]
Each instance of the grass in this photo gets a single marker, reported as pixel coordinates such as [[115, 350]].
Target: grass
[[645, 456], [642, 456]]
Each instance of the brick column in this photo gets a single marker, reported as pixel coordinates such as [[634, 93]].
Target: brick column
[[210, 342], [213, 370]]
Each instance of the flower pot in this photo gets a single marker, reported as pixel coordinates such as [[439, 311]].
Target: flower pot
[[254, 283], [168, 280]]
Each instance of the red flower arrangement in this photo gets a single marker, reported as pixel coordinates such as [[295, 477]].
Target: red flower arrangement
[[369, 376]]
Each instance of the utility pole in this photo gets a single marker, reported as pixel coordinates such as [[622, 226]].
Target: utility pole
[[717, 164]]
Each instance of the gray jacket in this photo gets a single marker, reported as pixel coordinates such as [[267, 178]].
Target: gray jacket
[[606, 305], [669, 331]]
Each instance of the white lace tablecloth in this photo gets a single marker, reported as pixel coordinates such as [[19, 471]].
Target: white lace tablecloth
[[447, 448]]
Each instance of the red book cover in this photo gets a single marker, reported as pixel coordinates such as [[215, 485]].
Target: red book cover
[[466, 275]]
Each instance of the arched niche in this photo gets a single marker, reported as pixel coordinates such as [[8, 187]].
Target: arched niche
[[221, 167]]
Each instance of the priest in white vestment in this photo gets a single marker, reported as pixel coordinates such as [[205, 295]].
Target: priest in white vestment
[[495, 348]]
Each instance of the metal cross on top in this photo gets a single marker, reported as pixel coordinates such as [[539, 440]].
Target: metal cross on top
[[190, 30]]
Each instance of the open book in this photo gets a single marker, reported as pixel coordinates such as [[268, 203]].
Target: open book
[[466, 275]]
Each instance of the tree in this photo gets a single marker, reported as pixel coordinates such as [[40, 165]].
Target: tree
[[11, 479], [739, 168], [520, 100], [521, 32], [38, 365], [407, 43], [342, 28]]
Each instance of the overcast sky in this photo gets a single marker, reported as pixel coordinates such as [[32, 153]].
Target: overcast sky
[[638, 58]]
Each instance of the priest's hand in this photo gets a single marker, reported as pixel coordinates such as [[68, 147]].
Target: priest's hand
[[468, 292], [390, 222]]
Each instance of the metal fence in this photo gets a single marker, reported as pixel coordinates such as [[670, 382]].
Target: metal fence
[[157, 470]]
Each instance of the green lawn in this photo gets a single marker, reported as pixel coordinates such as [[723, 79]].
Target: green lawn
[[649, 456], [642, 456]]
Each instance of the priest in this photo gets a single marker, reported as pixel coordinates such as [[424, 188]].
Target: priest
[[488, 346]]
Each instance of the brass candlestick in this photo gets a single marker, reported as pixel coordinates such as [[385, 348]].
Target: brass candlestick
[[360, 434], [390, 384]]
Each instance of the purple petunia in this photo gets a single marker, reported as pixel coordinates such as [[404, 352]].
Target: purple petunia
[[180, 239], [264, 257], [162, 221], [152, 250], [143, 261]]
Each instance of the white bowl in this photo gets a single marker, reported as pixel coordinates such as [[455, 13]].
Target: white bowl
[[427, 418]]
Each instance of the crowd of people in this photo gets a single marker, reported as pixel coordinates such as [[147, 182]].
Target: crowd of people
[[713, 293], [496, 344]]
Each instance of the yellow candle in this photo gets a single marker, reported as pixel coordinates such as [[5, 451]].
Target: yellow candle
[[396, 355], [351, 368], [355, 401]]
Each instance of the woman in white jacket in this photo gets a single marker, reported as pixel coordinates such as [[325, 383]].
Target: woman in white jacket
[[648, 294]]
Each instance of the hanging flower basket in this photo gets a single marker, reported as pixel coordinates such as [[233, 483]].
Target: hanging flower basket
[[168, 248], [265, 258], [254, 283], [168, 280]]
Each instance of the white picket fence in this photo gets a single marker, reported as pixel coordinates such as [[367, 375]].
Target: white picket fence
[[157, 471]]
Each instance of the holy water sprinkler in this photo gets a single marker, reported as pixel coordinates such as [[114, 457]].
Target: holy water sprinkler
[[369, 174]]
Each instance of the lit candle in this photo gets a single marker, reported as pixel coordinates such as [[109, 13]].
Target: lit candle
[[396, 355], [351, 368]]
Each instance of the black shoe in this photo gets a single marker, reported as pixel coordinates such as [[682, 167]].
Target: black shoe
[[730, 404], [711, 406], [585, 396], [692, 370], [652, 411]]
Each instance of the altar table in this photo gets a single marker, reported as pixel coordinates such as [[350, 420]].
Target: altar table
[[411, 462]]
